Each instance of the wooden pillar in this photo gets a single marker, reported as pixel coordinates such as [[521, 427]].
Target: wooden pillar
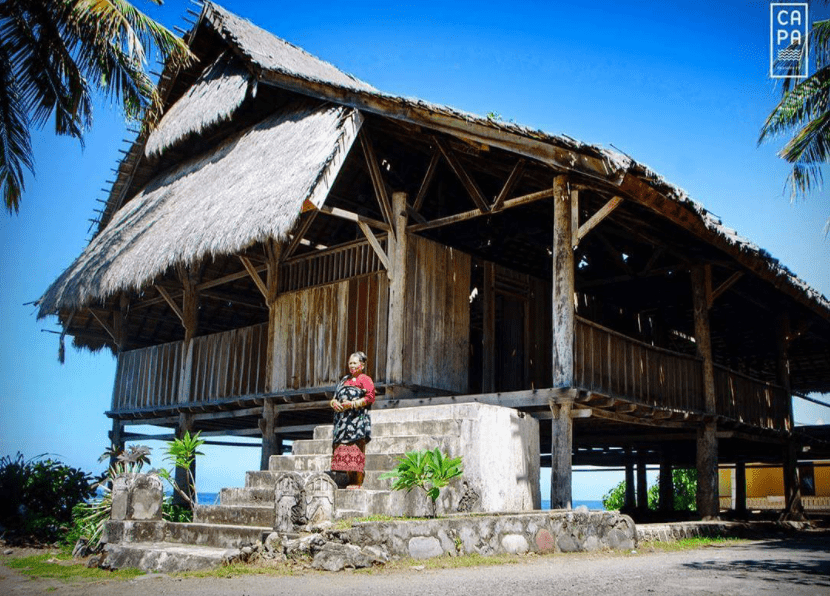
[[563, 286], [560, 455], [397, 247], [488, 348], [707, 442], [119, 323], [185, 425], [740, 488], [630, 499], [271, 443], [793, 508], [666, 484], [642, 482], [190, 321]]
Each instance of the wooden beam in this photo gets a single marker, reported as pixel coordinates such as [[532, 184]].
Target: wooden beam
[[725, 286], [100, 319], [299, 234], [370, 236], [597, 217], [509, 185], [615, 253], [561, 457], [397, 314], [170, 302], [348, 215], [430, 173], [377, 179], [249, 267], [459, 217], [488, 332], [472, 188], [574, 218]]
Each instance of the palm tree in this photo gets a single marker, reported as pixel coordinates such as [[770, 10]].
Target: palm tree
[[53, 54], [804, 112]]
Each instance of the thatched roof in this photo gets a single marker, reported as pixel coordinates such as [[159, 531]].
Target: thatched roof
[[250, 188], [215, 96], [278, 64]]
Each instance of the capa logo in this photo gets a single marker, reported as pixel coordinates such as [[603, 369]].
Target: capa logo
[[789, 56]]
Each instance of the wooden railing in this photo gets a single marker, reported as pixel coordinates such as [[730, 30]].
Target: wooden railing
[[612, 364], [330, 265], [749, 400], [216, 366]]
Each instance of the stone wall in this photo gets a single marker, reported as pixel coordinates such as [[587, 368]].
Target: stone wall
[[548, 531]]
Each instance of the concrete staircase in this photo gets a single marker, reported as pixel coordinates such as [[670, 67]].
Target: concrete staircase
[[482, 435]]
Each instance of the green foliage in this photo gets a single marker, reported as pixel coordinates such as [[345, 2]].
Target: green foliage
[[176, 513], [428, 470], [614, 499], [37, 496], [685, 488], [182, 454], [57, 566]]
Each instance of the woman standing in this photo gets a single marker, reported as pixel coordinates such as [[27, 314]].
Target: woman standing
[[354, 395]]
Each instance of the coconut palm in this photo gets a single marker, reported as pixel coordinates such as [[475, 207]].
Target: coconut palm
[[804, 112], [53, 54]]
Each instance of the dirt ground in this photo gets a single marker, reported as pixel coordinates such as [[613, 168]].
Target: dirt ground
[[792, 565]]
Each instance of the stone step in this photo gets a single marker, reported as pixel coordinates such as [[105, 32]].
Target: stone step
[[366, 502], [200, 534], [260, 479], [259, 496], [217, 535], [322, 463], [161, 557], [446, 426], [385, 444], [235, 515]]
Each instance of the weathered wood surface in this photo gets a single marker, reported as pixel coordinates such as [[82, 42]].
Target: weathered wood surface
[[749, 400], [148, 377], [317, 328], [563, 287], [437, 322], [331, 265], [612, 364]]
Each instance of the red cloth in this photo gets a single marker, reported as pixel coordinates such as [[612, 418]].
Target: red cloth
[[348, 458], [365, 383]]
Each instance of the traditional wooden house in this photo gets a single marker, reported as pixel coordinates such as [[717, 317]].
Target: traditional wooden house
[[284, 214]]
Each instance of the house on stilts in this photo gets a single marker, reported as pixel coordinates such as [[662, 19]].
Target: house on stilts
[[284, 214]]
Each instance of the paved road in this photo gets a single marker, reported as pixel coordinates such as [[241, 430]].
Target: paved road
[[792, 566]]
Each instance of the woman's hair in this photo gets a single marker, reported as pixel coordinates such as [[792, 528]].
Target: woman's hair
[[360, 356]]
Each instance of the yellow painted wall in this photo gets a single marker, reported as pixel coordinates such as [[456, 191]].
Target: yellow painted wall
[[725, 482], [822, 476]]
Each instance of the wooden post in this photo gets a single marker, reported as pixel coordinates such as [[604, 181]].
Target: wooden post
[[275, 252], [560, 456], [185, 425], [119, 323], [630, 498], [707, 442], [642, 482], [563, 286], [116, 440], [666, 484], [397, 248], [740, 488], [793, 508], [190, 321], [271, 443], [488, 351]]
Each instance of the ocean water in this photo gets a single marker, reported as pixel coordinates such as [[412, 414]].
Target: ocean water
[[205, 498]]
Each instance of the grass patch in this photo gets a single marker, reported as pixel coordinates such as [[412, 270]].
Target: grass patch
[[275, 569], [63, 568], [690, 543]]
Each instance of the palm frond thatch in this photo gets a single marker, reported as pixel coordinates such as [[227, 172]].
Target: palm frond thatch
[[250, 188]]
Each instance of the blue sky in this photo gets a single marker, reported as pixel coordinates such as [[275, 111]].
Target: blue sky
[[680, 86]]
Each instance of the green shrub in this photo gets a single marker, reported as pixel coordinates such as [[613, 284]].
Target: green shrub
[[37, 497], [428, 470], [685, 488]]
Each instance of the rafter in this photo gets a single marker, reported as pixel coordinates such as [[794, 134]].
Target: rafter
[[472, 188], [170, 302], [249, 267], [597, 217], [378, 184], [103, 324], [299, 235], [430, 173], [355, 217], [375, 243], [730, 281], [509, 185]]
